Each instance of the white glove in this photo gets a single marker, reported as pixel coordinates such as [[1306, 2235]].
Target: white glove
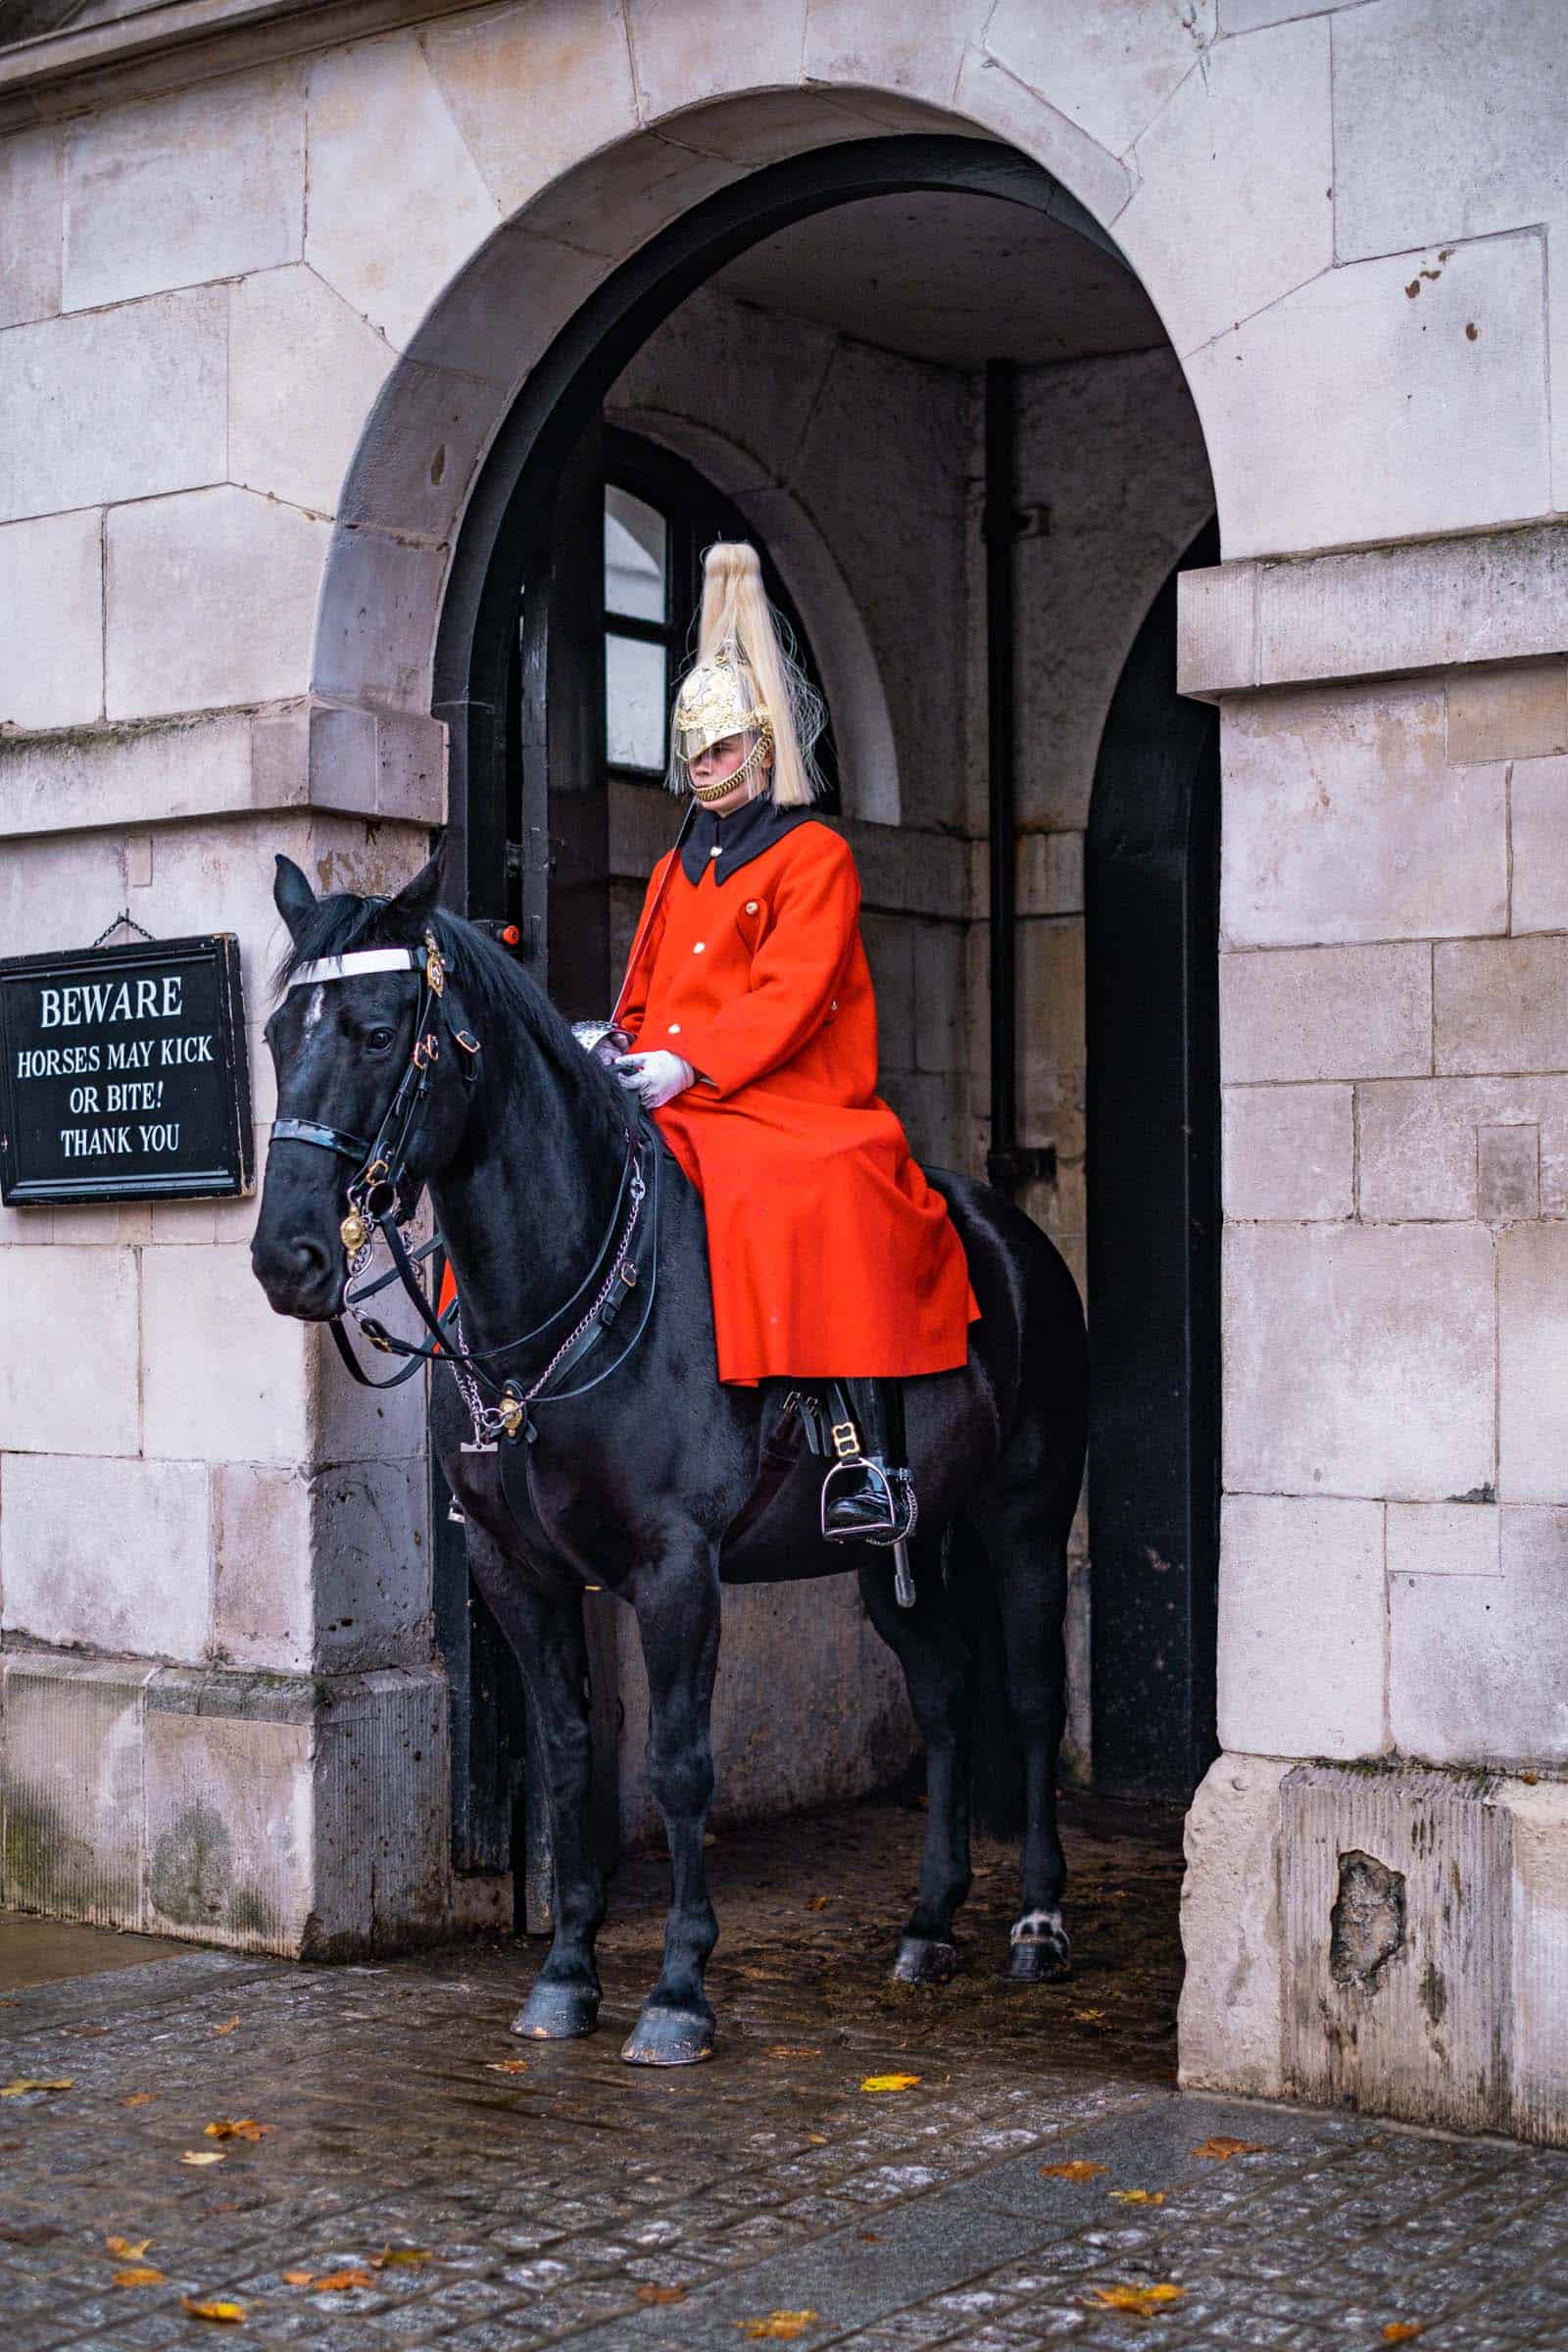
[[656, 1078]]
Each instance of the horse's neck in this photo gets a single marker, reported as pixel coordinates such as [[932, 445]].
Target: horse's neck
[[525, 1208]]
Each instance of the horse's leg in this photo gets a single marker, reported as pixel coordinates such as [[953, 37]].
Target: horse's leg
[[546, 1633], [930, 1644], [677, 1607], [1029, 1562]]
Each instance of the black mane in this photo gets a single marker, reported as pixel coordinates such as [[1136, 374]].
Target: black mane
[[494, 990]]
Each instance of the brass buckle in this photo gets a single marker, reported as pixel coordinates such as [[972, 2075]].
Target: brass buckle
[[435, 970], [846, 1441]]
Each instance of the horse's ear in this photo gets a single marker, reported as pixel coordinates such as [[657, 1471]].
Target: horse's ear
[[418, 900], [292, 895]]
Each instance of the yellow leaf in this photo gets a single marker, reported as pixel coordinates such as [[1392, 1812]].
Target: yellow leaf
[[890, 2082], [20, 2089], [234, 2313], [1139, 2197], [816, 2139], [507, 2065], [126, 2248], [338, 2282], [246, 2127], [660, 2294], [203, 2156], [1089, 2016], [140, 2098], [1080, 2169], [142, 2274], [1143, 2301], [779, 2326], [392, 2258], [1401, 2332], [817, 1902], [232, 2027], [298, 2277], [1217, 2147]]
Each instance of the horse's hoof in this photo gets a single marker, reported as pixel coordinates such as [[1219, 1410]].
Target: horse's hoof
[[558, 2013], [923, 1961], [1038, 1952], [669, 2037]]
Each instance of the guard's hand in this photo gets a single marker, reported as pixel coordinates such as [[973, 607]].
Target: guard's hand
[[655, 1078]]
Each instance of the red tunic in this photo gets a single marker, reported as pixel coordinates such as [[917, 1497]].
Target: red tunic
[[830, 1253]]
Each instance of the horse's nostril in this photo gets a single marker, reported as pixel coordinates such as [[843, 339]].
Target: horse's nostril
[[310, 1258]]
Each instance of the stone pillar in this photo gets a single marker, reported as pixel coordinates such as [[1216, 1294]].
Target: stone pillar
[[219, 1711], [1376, 1869]]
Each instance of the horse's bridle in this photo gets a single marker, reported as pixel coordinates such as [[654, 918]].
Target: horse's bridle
[[376, 1192]]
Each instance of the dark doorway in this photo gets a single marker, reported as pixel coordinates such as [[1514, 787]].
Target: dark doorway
[[1152, 908]]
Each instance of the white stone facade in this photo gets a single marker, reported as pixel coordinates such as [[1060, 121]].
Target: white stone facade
[[270, 280]]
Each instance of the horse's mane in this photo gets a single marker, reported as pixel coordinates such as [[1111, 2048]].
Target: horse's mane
[[495, 989]]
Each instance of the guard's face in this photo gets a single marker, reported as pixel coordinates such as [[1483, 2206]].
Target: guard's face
[[722, 759]]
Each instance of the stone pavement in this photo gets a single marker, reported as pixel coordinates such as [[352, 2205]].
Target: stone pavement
[[580, 2199]]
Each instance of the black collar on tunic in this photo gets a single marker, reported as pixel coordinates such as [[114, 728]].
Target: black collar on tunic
[[726, 844]]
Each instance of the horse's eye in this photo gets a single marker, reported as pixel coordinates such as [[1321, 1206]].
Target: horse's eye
[[379, 1040]]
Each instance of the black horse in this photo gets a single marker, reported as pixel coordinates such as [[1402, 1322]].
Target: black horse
[[655, 1481]]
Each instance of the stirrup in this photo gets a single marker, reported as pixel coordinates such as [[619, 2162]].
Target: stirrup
[[897, 1494]]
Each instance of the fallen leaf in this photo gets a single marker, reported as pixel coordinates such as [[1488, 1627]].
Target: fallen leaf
[[232, 2027], [1143, 2301], [400, 2258], [660, 2294], [1088, 2017], [1531, 1780], [203, 2156], [89, 2033], [872, 2237], [20, 2089], [234, 2313], [1401, 2332], [816, 2139], [890, 2082], [1217, 2147], [817, 1902], [507, 2065], [779, 2326], [128, 2249], [140, 2098], [338, 2282], [245, 2128], [1139, 2197], [1080, 2169], [142, 2274], [790, 2049], [298, 2277]]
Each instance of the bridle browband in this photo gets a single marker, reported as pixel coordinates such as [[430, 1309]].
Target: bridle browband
[[375, 1191]]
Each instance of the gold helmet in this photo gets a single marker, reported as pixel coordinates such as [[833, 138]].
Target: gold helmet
[[715, 700]]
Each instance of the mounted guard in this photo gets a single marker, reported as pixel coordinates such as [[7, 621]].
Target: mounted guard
[[747, 1028]]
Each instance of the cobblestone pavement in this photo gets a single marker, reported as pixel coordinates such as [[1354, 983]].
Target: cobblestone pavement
[[635, 2212]]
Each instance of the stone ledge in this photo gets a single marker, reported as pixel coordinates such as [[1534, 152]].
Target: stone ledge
[[1434, 604], [295, 1814], [1389, 1937], [387, 765]]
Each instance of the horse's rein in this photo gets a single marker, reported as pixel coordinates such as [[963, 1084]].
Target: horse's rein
[[375, 1192]]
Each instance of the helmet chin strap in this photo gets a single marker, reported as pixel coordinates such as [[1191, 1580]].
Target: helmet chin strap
[[721, 789]]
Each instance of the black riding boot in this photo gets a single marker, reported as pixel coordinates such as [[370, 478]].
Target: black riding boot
[[867, 1494]]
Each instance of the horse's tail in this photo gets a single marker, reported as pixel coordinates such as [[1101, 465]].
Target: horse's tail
[[996, 1751]]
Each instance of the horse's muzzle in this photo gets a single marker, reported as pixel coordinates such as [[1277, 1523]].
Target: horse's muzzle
[[300, 1275]]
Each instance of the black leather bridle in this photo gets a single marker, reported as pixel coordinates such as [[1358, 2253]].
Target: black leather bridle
[[376, 1192]]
